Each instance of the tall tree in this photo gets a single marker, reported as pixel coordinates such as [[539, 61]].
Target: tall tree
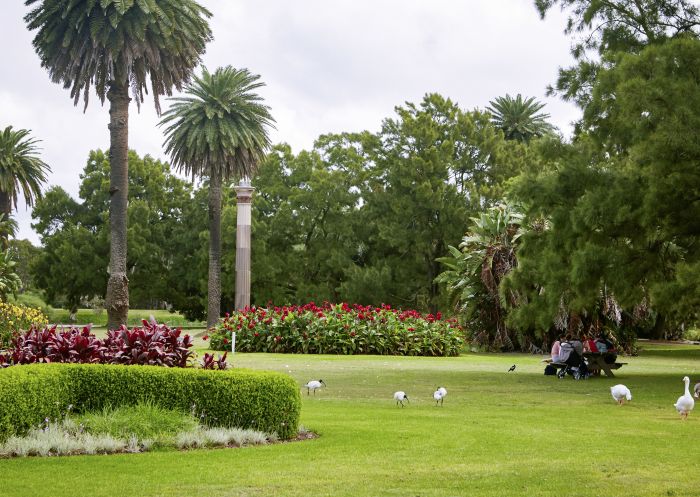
[[118, 46], [623, 203], [432, 167], [219, 129], [603, 26], [75, 234], [518, 118], [21, 170]]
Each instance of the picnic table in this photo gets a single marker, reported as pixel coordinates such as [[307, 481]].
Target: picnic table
[[596, 360]]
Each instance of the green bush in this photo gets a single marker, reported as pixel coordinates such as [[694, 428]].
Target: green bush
[[260, 400]]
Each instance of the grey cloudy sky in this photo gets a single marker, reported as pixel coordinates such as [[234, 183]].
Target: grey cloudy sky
[[329, 66]]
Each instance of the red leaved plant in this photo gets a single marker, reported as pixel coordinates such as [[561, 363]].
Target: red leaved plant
[[151, 344]]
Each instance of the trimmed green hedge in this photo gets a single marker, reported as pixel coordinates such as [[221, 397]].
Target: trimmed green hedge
[[265, 401]]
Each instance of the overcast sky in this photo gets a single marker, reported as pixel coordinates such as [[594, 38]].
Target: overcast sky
[[329, 66]]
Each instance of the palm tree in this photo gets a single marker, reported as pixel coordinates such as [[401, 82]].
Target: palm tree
[[475, 271], [218, 130], [518, 118], [118, 46], [21, 170]]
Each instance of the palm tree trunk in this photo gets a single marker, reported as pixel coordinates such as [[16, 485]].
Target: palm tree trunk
[[5, 204], [214, 290], [117, 299]]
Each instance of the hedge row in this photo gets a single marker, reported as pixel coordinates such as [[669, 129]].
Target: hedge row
[[339, 329], [264, 401]]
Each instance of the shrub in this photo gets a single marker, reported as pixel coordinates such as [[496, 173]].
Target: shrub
[[16, 318], [259, 400], [210, 362], [338, 329], [144, 421], [152, 344]]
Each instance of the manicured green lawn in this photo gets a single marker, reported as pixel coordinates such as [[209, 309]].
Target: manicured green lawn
[[498, 434], [99, 318]]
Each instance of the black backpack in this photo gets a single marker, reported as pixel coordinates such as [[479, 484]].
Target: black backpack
[[550, 370]]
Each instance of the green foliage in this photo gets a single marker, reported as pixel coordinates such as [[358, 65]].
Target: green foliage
[[219, 127], [17, 318], [8, 229], [615, 26], [26, 255], [261, 400], [72, 266], [621, 202], [143, 421], [21, 171], [474, 273], [518, 118], [338, 329], [31, 299], [9, 279], [124, 41]]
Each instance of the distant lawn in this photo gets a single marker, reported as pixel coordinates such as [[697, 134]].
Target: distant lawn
[[99, 318], [498, 434]]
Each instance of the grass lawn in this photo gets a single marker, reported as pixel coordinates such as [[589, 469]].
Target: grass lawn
[[498, 434], [99, 318]]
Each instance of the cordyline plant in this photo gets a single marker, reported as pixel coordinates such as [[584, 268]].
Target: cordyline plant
[[151, 344], [339, 329]]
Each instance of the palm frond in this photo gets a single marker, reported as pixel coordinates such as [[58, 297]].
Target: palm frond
[[220, 126], [134, 43], [21, 170]]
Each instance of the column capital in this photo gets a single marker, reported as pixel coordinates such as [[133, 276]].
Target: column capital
[[244, 192]]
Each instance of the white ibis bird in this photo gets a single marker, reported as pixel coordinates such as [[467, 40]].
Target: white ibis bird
[[439, 395], [620, 393], [512, 368], [314, 385], [400, 397], [685, 402]]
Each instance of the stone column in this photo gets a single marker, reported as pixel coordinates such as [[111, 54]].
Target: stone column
[[244, 194]]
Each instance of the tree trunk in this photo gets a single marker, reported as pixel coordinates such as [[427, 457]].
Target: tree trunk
[[214, 290], [117, 299], [658, 332]]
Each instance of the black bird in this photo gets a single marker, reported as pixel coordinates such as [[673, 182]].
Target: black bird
[[512, 368]]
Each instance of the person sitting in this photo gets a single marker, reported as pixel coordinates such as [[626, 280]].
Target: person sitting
[[607, 348], [577, 344], [556, 347], [589, 344]]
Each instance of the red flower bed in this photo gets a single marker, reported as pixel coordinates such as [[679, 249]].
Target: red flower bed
[[339, 329]]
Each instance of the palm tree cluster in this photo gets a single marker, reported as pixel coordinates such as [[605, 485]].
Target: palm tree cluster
[[121, 48]]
